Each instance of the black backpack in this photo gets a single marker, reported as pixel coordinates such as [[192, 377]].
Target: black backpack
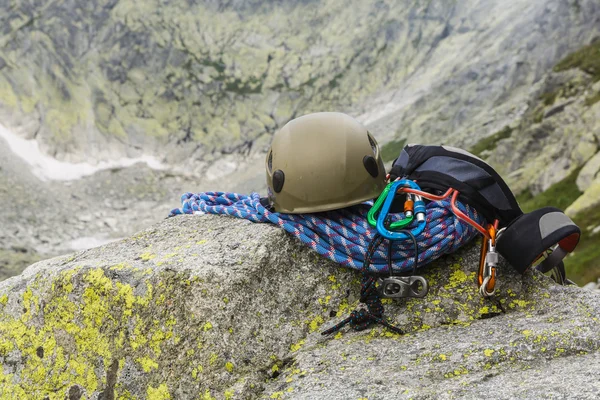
[[523, 238]]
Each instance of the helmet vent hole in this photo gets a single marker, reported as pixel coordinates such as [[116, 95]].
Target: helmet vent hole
[[373, 143], [371, 166], [270, 161], [278, 180]]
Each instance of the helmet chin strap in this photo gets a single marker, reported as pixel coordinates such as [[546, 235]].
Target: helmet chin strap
[[266, 203]]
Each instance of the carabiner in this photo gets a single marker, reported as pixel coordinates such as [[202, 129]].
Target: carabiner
[[419, 212], [488, 261], [464, 217], [373, 212]]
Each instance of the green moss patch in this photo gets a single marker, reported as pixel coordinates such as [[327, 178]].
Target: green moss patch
[[586, 59], [538, 116], [549, 97], [560, 195], [490, 142], [565, 90], [584, 264], [592, 99], [391, 150], [84, 327]]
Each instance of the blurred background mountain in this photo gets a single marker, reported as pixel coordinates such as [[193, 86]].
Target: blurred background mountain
[[110, 109]]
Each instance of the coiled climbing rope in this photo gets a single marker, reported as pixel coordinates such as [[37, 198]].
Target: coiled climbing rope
[[344, 235]]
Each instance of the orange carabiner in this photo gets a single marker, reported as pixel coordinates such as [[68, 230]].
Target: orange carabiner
[[466, 218]]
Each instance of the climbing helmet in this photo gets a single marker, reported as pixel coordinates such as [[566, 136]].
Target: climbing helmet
[[323, 161]]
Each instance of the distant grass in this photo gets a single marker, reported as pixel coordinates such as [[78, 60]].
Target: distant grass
[[567, 89], [549, 97], [524, 198], [538, 116], [586, 59], [391, 150], [560, 195], [583, 265], [490, 142], [592, 99], [14, 262]]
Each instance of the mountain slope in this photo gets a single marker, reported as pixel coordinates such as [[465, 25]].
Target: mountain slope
[[93, 80], [551, 157]]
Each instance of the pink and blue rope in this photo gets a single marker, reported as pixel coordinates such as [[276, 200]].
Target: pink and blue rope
[[344, 235]]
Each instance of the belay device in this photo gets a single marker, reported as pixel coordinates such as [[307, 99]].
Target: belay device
[[396, 286], [522, 239]]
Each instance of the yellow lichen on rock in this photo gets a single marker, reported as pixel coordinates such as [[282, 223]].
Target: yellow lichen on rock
[[87, 320], [159, 393]]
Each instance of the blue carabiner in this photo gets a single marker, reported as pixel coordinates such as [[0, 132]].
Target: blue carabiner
[[419, 212]]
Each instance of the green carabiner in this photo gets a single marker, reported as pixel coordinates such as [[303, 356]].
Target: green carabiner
[[372, 214]]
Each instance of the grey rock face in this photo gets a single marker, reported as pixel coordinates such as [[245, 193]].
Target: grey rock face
[[556, 135], [182, 80], [505, 49], [223, 308]]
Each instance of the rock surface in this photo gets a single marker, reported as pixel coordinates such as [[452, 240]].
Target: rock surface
[[557, 135], [214, 307], [588, 201]]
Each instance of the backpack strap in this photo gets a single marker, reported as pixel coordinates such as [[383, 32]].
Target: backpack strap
[[529, 236], [437, 168]]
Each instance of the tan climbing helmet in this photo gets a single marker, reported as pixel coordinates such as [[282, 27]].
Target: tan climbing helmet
[[323, 161]]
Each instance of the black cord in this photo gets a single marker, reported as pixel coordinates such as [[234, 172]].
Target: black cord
[[361, 319], [416, 246]]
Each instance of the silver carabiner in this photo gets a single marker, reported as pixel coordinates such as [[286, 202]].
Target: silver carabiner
[[491, 261]]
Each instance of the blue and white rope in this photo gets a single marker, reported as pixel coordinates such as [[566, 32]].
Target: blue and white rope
[[344, 235]]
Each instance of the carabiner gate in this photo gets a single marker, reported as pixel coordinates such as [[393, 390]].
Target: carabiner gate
[[419, 212], [374, 211], [487, 264]]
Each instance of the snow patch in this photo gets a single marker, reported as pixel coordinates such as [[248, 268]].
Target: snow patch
[[84, 243], [221, 168], [47, 168]]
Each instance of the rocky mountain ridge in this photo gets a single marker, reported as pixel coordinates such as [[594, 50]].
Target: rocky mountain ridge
[[197, 80], [550, 157]]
